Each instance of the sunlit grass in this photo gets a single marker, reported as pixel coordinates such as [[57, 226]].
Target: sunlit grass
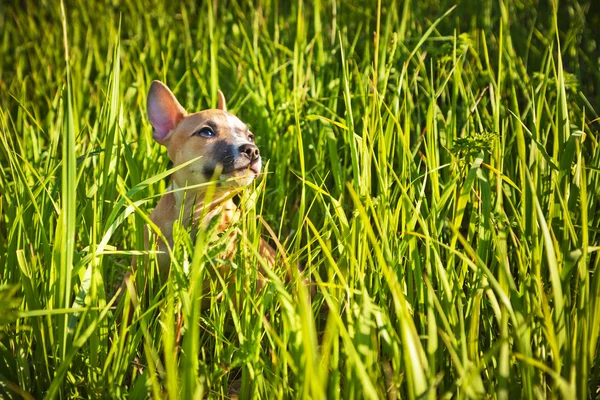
[[434, 169]]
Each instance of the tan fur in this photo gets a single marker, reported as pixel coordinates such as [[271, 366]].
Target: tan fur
[[178, 132]]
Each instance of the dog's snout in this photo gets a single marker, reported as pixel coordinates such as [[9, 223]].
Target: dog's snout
[[249, 150]]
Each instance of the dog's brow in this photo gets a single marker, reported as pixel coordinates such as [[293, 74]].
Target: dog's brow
[[212, 124]]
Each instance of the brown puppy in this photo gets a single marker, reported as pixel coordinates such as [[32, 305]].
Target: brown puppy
[[227, 153]]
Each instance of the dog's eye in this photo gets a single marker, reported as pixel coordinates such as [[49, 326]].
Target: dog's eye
[[205, 132], [251, 137]]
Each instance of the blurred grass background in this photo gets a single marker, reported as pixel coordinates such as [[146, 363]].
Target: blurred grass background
[[434, 165]]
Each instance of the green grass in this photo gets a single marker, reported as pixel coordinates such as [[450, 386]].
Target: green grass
[[436, 170]]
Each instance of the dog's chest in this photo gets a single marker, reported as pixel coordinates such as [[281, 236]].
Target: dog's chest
[[198, 216]]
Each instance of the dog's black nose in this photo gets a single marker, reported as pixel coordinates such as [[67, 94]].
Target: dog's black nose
[[250, 151]]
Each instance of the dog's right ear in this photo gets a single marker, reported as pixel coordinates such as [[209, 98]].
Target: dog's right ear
[[164, 111]]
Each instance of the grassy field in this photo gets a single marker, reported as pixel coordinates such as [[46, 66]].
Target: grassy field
[[435, 168]]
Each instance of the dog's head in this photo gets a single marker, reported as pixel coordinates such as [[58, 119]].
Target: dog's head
[[225, 143]]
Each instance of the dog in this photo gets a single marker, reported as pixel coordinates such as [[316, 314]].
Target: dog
[[218, 147]]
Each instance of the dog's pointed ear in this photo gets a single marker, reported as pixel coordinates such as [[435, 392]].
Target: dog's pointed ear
[[164, 111], [222, 104]]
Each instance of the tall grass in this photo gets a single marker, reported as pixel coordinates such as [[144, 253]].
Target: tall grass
[[433, 166]]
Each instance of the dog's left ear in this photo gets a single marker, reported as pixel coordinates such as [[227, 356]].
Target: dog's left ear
[[164, 111], [222, 104]]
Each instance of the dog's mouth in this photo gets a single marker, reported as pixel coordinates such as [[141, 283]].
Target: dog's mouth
[[253, 166]]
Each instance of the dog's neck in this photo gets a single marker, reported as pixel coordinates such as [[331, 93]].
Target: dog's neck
[[204, 210]]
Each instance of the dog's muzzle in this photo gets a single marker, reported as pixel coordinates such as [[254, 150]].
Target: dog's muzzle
[[234, 158]]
